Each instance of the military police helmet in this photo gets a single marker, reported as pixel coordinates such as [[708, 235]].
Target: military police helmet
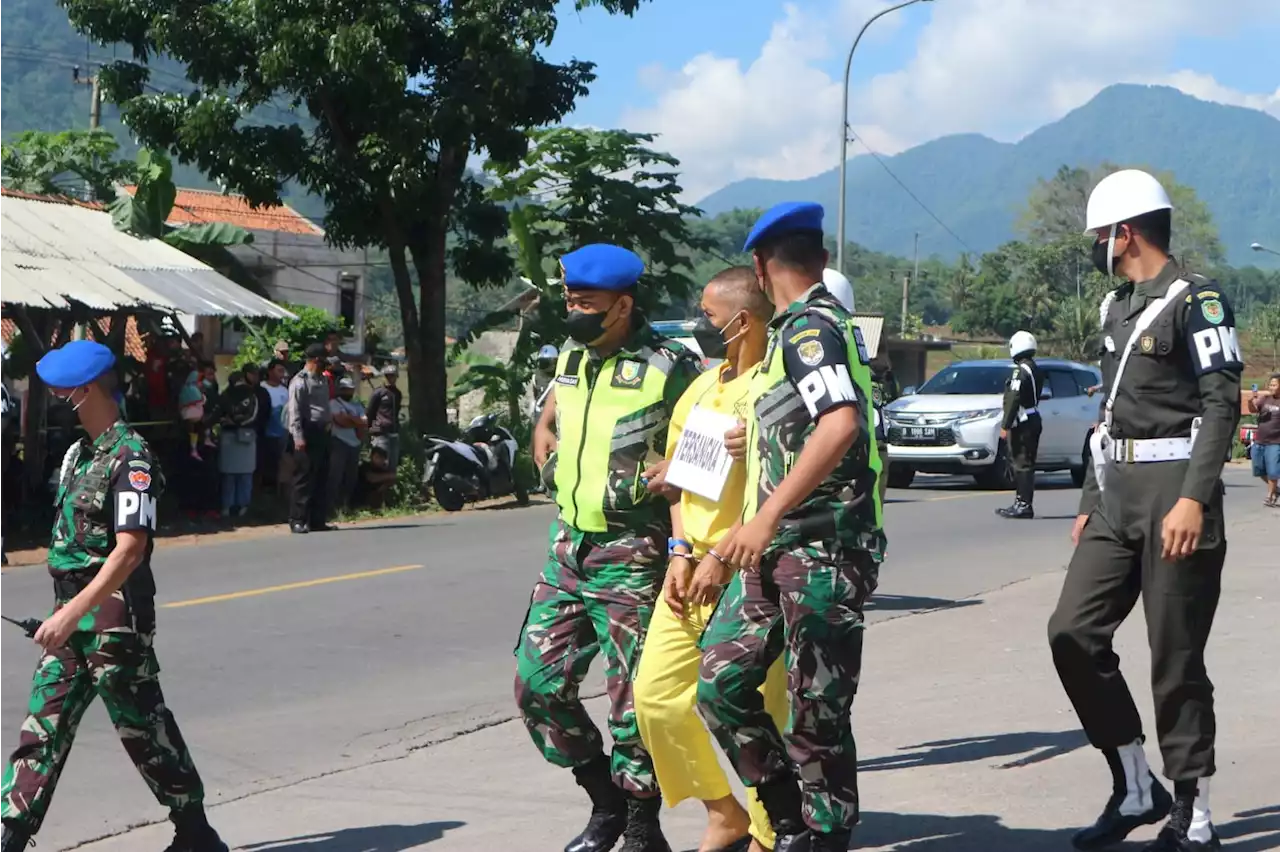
[[1122, 196], [1021, 343], [839, 287]]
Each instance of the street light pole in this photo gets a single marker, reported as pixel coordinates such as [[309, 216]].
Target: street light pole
[[1261, 247], [844, 130]]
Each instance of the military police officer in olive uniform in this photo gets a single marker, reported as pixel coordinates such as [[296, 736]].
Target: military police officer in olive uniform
[[1150, 524], [1021, 425], [98, 641], [615, 390]]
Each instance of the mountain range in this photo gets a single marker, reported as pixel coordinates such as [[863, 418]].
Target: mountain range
[[1230, 155], [977, 186]]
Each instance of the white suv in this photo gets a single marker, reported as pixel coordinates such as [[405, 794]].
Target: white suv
[[951, 423]]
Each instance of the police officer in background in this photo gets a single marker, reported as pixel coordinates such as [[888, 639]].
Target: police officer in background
[[1150, 523], [98, 641], [1021, 424], [616, 386]]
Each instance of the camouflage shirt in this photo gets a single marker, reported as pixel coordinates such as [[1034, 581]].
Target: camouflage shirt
[[106, 486], [815, 362]]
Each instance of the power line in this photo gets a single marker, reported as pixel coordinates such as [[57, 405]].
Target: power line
[[908, 191]]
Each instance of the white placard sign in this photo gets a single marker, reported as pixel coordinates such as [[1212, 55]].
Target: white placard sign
[[701, 463]]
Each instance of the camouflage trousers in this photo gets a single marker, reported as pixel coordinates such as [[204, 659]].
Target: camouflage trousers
[[596, 594], [805, 604], [122, 669]]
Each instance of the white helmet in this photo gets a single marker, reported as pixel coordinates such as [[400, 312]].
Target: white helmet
[[1121, 196], [839, 287], [1021, 343]]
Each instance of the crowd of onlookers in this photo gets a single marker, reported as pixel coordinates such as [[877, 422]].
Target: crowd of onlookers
[[238, 441]]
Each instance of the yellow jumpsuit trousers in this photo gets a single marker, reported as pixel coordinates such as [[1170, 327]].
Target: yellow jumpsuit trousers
[[666, 685]]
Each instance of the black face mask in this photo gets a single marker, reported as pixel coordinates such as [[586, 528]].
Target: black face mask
[[587, 328], [709, 339], [1099, 256]]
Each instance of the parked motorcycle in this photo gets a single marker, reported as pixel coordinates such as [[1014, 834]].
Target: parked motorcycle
[[477, 466]]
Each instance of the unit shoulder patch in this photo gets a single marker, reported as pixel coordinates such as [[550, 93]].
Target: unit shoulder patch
[[629, 374], [804, 335], [1212, 310], [811, 352]]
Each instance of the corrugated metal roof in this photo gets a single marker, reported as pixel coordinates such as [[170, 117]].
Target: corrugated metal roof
[[53, 252], [872, 326]]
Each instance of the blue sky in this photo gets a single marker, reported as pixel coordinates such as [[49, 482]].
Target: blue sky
[[751, 88]]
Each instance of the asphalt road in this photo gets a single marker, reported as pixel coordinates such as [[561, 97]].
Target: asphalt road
[[288, 657]]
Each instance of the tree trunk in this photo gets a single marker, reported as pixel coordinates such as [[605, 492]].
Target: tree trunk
[[426, 246], [429, 394], [412, 336]]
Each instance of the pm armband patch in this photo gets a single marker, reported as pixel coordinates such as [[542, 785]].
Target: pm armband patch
[[1216, 348], [135, 511], [831, 385]]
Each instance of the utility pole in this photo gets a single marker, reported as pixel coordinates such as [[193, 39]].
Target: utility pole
[[915, 272], [95, 105], [906, 283]]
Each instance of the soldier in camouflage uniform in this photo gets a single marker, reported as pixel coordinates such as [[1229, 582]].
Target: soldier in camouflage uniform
[[98, 641], [611, 406], [809, 548]]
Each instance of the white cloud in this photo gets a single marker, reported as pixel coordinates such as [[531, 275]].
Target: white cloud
[[999, 67]]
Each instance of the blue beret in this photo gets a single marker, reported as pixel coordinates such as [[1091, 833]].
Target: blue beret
[[601, 266], [75, 364], [783, 219]]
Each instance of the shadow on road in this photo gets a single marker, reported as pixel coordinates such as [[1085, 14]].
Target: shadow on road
[[371, 527], [1027, 747], [371, 838], [1253, 831], [1250, 831], [903, 603], [933, 833]]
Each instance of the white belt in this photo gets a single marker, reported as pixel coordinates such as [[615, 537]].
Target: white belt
[[1135, 450]]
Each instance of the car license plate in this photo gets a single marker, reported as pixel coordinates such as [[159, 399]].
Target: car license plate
[[920, 433]]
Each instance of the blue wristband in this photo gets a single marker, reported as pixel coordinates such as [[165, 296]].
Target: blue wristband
[[673, 543]]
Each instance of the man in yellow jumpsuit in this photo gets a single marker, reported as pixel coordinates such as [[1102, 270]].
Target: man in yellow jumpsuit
[[734, 327]]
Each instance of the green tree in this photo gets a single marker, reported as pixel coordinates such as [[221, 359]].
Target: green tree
[[311, 325], [1264, 326], [400, 95], [66, 163], [1076, 329], [1056, 209]]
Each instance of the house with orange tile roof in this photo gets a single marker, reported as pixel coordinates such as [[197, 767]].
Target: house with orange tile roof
[[288, 258]]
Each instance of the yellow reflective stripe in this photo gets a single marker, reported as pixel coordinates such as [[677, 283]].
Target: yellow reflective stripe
[[571, 402], [583, 458]]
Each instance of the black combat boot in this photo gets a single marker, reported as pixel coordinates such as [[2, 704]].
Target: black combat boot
[[608, 808], [192, 832], [1019, 511], [1131, 804], [16, 838], [644, 832], [1176, 836], [781, 800]]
